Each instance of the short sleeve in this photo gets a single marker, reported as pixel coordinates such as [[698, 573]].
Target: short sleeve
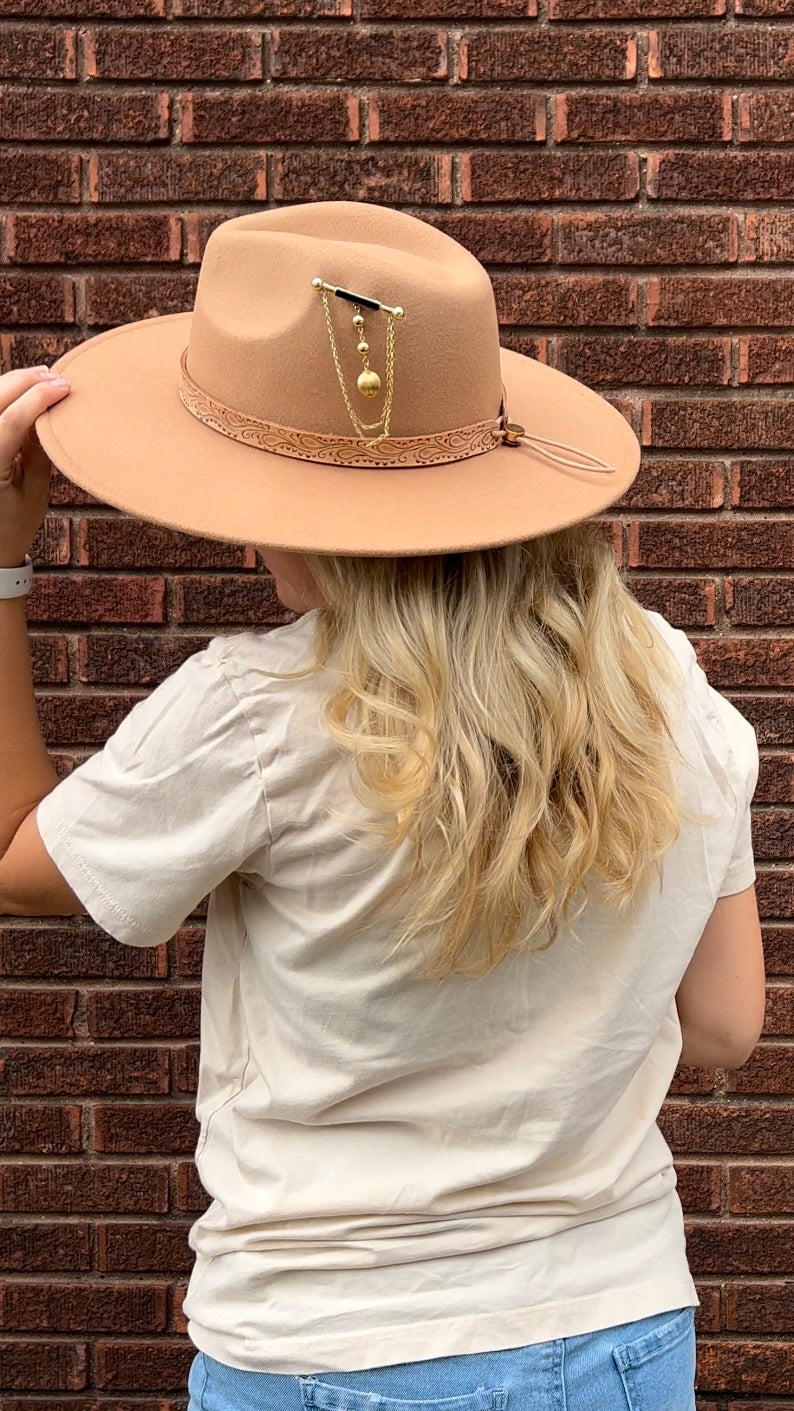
[[171, 807]]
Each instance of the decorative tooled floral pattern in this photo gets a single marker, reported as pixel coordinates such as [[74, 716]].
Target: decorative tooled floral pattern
[[336, 450]]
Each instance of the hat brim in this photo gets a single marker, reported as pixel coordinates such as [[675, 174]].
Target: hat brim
[[123, 435]]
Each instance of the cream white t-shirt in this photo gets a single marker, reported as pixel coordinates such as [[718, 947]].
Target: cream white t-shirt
[[399, 1169]]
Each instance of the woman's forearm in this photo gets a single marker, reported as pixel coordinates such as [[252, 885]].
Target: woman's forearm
[[26, 772]]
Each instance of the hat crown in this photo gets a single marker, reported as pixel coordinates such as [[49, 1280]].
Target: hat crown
[[259, 341]]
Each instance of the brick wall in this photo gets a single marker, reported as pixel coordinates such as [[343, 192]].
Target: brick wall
[[623, 167]]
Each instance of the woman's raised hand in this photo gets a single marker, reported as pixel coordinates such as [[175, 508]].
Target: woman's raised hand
[[24, 468]]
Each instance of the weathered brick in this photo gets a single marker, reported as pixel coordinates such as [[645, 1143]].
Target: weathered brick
[[684, 602], [639, 361], [579, 299], [125, 237], [775, 886], [488, 56], [144, 1014], [456, 116], [721, 176], [28, 1127], [144, 1248], [356, 55], [124, 543], [67, 597], [627, 239], [111, 299], [767, 359], [634, 9], [33, 177], [30, 1249], [729, 424], [773, 838], [778, 947], [769, 237], [723, 1366], [750, 1247], [230, 600], [679, 543], [37, 298], [759, 1308], [262, 9], [81, 720], [79, 1071], [448, 9], [44, 951], [52, 545], [145, 1128], [31, 1307], [407, 178], [676, 485], [775, 785], [762, 1189], [175, 176], [190, 1194], [49, 658], [88, 9], [173, 55], [23, 349], [74, 1189], [549, 176], [642, 117], [44, 1366], [269, 116], [766, 116], [769, 1071], [58, 115], [45, 1014], [499, 237], [36, 52], [698, 1185], [719, 300], [729, 1130], [760, 601], [139, 660], [763, 485], [716, 52], [160, 1366]]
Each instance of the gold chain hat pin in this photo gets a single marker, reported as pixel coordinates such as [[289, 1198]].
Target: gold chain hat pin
[[368, 381]]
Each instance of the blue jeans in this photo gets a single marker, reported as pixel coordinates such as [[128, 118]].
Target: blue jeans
[[644, 1366]]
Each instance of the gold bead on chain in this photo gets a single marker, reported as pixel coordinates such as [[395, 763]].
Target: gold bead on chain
[[368, 381]]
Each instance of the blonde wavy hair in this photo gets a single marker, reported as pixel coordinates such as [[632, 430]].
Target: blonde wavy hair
[[504, 709]]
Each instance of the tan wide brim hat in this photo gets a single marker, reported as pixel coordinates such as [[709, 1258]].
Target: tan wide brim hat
[[242, 420]]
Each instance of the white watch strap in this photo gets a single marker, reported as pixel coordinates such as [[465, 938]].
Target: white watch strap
[[16, 582]]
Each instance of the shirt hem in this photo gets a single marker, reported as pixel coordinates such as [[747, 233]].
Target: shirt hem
[[446, 1337]]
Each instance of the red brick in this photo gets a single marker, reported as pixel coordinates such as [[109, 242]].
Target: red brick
[[144, 1014], [684, 602], [773, 835], [634, 9], [82, 1308], [111, 299], [230, 600], [57, 115], [498, 237], [640, 361], [578, 299], [75, 721], [88, 9], [65, 492], [730, 424], [623, 239], [160, 1366], [775, 886], [502, 55], [448, 9], [766, 1366], [189, 952], [174, 176], [119, 1404], [74, 1189], [775, 785], [37, 298], [759, 1308], [642, 117], [33, 1248], [45, 1014], [36, 52], [456, 116], [760, 8], [549, 176], [145, 1128], [761, 602], [361, 55], [190, 1194], [772, 717], [690, 544], [50, 659], [526, 344], [760, 1189], [769, 1071], [81, 1071], [407, 178], [721, 176], [676, 485], [693, 1080], [34, 177], [766, 116], [749, 1247], [269, 116], [28, 1127], [44, 1366], [779, 1021], [52, 545], [124, 543], [763, 485], [699, 1186], [707, 1316], [175, 55], [43, 951], [719, 300], [66, 597], [144, 1248], [717, 52], [769, 237], [125, 237], [262, 9], [778, 947], [727, 1130], [143, 660], [767, 359]]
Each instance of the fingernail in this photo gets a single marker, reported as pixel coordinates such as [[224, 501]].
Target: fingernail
[[60, 382], [43, 368]]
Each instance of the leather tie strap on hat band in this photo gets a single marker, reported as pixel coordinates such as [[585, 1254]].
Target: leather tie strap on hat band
[[390, 451]]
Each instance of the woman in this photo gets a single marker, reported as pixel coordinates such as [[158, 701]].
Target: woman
[[474, 826]]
